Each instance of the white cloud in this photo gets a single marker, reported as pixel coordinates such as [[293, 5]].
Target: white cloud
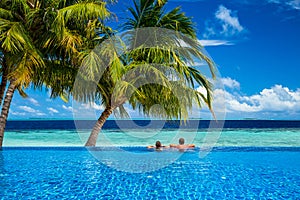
[[278, 98], [31, 110], [92, 105], [40, 114], [294, 4], [69, 108], [33, 101], [17, 113], [52, 110], [206, 43], [277, 102], [230, 83], [230, 24], [28, 109], [274, 99], [202, 90], [225, 24]]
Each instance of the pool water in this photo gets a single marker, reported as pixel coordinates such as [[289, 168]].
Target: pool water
[[225, 173]]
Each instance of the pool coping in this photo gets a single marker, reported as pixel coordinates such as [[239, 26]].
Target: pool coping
[[143, 148]]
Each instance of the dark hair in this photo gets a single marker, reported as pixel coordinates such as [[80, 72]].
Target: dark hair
[[157, 144], [181, 141]]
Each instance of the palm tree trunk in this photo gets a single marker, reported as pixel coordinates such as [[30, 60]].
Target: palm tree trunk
[[98, 126], [5, 108], [3, 81]]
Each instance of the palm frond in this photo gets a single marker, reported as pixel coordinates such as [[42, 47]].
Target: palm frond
[[14, 37], [177, 50], [24, 65], [85, 11], [5, 14]]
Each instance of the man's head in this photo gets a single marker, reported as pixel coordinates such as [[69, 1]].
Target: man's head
[[181, 141]]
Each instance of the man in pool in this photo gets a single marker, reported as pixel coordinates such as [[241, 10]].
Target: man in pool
[[181, 145]]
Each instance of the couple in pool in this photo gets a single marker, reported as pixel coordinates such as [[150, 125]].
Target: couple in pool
[[181, 145]]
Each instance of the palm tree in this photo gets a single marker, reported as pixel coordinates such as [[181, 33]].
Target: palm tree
[[20, 57], [164, 64], [68, 29], [40, 43]]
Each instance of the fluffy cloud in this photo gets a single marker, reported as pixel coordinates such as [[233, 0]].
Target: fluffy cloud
[[33, 101], [52, 110], [28, 109], [275, 99], [89, 110], [69, 108], [226, 23], [277, 102], [31, 110], [230, 83], [230, 23], [17, 113], [40, 114], [92, 105]]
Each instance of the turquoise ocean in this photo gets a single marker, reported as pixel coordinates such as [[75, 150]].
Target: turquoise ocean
[[143, 132]]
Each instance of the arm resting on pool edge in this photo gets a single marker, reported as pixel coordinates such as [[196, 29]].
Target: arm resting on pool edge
[[182, 146]]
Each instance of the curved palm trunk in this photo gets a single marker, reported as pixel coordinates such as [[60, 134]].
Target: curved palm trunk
[[2, 87], [97, 127], [3, 82], [5, 108]]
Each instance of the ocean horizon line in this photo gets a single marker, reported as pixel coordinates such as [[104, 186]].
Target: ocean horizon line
[[149, 124], [147, 119]]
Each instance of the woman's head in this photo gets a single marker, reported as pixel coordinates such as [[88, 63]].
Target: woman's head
[[157, 144]]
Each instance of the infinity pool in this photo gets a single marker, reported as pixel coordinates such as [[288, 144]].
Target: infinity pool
[[224, 173]]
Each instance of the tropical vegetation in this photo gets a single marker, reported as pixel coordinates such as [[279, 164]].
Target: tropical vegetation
[[66, 46], [41, 42]]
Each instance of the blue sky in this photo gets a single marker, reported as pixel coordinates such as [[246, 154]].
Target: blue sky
[[255, 44]]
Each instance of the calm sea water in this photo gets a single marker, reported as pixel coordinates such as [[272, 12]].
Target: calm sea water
[[144, 132]]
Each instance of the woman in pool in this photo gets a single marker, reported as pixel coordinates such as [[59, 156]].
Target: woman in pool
[[157, 146], [181, 145]]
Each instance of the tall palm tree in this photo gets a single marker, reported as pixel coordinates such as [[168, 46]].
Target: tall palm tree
[[40, 43], [152, 63], [20, 57]]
